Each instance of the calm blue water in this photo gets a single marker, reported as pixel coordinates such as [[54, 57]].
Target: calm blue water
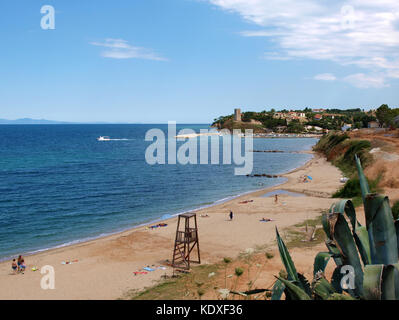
[[58, 184]]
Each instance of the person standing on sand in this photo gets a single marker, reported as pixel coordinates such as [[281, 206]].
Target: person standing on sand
[[14, 266], [19, 262], [275, 198], [23, 266], [231, 215]]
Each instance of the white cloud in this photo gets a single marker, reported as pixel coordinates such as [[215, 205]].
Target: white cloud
[[362, 33], [363, 81], [325, 77], [121, 49]]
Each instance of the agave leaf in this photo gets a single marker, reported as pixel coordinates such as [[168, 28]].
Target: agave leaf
[[359, 232], [296, 293], [336, 279], [340, 296], [239, 293], [286, 258], [335, 253], [304, 284], [323, 289], [326, 226], [396, 265], [346, 207], [364, 186], [381, 282], [381, 229], [372, 281], [277, 290], [397, 233], [346, 244], [250, 292], [388, 282], [361, 236], [321, 261]]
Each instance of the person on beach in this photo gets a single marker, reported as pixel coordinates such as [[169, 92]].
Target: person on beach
[[275, 198], [22, 266], [231, 215], [14, 266], [19, 262]]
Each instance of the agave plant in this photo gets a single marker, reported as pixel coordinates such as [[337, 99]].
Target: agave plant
[[370, 251]]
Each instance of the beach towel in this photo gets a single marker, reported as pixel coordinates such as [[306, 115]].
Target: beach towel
[[148, 269]]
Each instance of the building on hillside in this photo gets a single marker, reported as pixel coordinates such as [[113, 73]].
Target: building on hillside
[[289, 116], [280, 115], [313, 128], [319, 110], [373, 124], [237, 114], [346, 127], [297, 114], [318, 117]]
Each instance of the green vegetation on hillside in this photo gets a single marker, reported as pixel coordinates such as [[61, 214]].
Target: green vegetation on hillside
[[297, 121], [341, 151]]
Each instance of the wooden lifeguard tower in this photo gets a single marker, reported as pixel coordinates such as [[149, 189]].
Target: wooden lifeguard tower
[[186, 242]]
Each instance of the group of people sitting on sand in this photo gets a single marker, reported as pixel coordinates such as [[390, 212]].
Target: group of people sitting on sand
[[18, 266]]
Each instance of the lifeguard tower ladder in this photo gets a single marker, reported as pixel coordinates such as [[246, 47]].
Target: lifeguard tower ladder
[[186, 242]]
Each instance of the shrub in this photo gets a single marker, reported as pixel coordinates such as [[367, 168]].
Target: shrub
[[351, 189], [269, 255], [357, 147], [239, 271], [329, 141]]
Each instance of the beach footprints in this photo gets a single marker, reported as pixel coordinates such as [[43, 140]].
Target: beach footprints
[[48, 279]]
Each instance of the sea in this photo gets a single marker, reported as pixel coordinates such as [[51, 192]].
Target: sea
[[59, 185]]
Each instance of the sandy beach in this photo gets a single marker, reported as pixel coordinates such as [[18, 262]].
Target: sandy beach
[[104, 268]]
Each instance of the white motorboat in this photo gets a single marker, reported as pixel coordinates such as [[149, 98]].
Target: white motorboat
[[103, 138]]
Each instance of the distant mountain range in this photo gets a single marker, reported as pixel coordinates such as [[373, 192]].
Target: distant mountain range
[[31, 121]]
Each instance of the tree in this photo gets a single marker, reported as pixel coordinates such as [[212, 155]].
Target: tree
[[385, 115]]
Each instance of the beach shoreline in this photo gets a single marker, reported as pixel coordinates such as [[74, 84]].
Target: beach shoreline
[[160, 219], [118, 255]]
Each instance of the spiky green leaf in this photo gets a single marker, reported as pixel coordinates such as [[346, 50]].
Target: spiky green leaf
[[364, 186], [381, 229], [343, 237], [323, 289], [277, 290], [286, 259], [296, 293], [361, 236], [321, 261], [372, 282]]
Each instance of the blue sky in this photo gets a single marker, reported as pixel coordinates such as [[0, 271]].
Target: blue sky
[[192, 60]]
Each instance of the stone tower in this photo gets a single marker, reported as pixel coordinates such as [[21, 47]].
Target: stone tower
[[237, 114]]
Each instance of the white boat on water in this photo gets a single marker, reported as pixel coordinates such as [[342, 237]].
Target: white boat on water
[[103, 138]]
